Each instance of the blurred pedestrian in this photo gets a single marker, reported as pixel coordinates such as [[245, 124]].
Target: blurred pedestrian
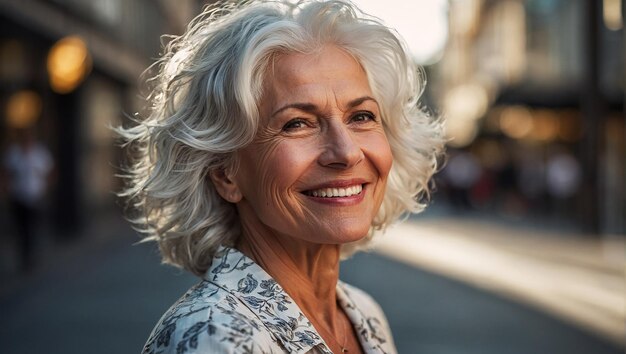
[[27, 168], [531, 180], [563, 180], [280, 138], [510, 202], [462, 172]]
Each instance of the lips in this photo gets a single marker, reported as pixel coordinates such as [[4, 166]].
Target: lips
[[335, 192]]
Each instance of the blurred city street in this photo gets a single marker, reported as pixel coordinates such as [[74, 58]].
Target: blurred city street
[[522, 250], [104, 294]]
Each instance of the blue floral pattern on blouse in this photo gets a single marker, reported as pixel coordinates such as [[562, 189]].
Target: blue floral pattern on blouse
[[239, 308]]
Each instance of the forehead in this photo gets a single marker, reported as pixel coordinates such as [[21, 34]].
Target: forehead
[[298, 77], [330, 61]]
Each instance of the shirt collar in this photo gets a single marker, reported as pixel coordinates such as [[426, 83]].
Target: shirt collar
[[256, 289], [259, 292], [370, 330]]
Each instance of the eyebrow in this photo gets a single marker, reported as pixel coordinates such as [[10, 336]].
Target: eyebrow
[[310, 107]]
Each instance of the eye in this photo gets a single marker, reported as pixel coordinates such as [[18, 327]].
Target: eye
[[364, 116], [295, 124]]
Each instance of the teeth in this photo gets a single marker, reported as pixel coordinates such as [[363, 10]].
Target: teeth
[[336, 192]]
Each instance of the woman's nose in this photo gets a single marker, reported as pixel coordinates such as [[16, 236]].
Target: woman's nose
[[341, 150]]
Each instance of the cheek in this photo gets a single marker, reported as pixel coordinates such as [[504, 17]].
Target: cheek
[[379, 152], [252, 171], [270, 168], [290, 161], [269, 174]]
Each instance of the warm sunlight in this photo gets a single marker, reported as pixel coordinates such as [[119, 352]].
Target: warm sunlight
[[423, 24]]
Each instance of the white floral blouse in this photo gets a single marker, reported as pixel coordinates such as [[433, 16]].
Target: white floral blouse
[[239, 308]]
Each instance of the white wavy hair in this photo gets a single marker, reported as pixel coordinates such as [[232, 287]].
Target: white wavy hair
[[204, 107]]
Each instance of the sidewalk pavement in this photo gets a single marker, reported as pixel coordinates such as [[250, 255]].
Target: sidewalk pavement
[[54, 254], [580, 279], [575, 278]]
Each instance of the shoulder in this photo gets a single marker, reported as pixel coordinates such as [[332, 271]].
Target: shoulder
[[208, 319]]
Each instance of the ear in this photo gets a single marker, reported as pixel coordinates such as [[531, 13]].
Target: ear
[[225, 186]]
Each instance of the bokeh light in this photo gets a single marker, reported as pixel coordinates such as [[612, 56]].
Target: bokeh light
[[546, 126], [612, 13], [69, 63], [23, 109], [516, 122], [464, 105]]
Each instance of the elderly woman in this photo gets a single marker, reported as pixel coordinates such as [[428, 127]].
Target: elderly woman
[[280, 138]]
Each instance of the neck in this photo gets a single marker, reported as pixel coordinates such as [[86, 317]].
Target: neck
[[308, 272]]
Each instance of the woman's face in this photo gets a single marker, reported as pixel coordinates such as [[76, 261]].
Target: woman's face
[[318, 167]]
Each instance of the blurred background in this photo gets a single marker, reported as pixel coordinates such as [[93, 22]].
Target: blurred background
[[523, 249]]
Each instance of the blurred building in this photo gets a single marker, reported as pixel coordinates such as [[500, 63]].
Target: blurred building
[[535, 90], [70, 69]]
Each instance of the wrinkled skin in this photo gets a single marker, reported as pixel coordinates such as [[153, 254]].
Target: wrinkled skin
[[319, 124], [324, 144]]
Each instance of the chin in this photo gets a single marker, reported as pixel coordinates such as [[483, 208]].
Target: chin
[[340, 235]]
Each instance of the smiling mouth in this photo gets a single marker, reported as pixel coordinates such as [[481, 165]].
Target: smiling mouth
[[335, 192]]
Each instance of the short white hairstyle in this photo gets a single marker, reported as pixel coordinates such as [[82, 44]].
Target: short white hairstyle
[[203, 107]]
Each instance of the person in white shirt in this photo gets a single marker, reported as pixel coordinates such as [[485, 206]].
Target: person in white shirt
[[27, 165]]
